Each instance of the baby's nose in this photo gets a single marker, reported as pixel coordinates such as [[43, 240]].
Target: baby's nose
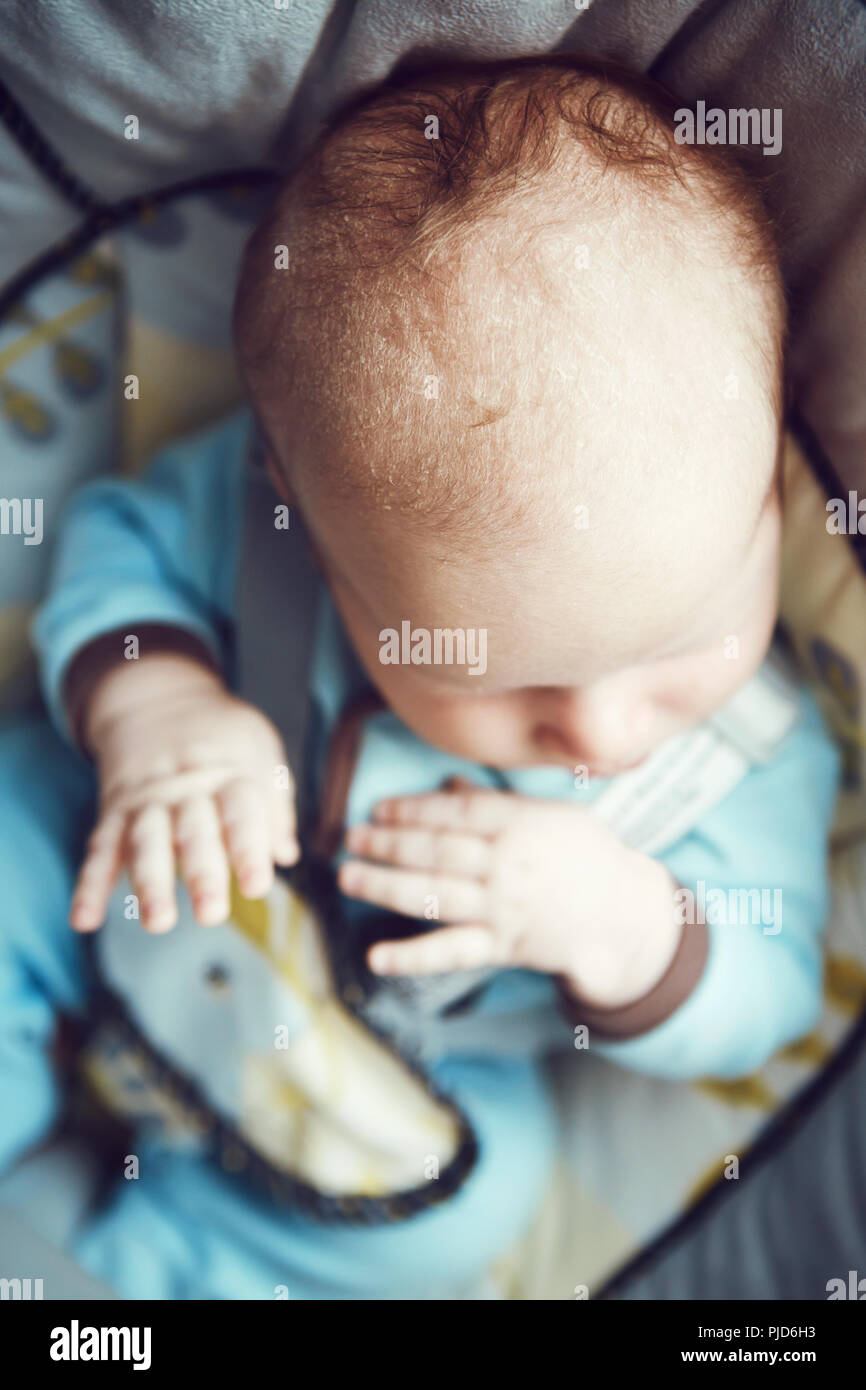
[[600, 727]]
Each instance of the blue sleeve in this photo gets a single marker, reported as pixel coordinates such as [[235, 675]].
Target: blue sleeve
[[49, 796], [761, 986], [160, 549]]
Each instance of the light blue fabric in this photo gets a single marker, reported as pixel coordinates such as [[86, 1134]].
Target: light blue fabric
[[167, 547], [163, 549], [47, 795], [183, 1230]]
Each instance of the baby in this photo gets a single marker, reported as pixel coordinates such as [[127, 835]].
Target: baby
[[516, 357]]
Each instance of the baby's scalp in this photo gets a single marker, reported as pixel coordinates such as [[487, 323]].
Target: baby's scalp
[[513, 303]]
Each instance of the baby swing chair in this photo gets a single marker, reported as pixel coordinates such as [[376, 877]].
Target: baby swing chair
[[715, 1189]]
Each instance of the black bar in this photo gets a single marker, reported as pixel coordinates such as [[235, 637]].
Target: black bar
[[278, 1337]]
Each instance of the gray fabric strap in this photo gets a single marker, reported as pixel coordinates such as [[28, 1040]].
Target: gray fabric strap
[[278, 589]]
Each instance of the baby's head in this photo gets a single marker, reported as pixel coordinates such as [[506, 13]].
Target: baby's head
[[522, 375]]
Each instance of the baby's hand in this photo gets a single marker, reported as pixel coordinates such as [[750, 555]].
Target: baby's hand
[[543, 885], [189, 775]]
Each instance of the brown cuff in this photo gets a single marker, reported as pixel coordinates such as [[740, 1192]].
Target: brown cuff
[[340, 764], [89, 665], [665, 997]]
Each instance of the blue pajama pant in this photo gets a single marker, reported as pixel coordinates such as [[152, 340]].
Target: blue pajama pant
[[183, 1229]]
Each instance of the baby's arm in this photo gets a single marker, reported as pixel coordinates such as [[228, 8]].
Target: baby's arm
[[545, 885], [186, 770], [761, 987]]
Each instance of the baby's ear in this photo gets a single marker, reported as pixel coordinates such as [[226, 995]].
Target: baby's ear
[[283, 489], [278, 478]]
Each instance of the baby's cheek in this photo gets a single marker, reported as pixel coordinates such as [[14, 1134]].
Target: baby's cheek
[[481, 731], [463, 727], [745, 651], [713, 681], [484, 732]]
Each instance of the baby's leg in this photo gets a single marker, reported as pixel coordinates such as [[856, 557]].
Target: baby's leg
[[46, 799], [183, 1230]]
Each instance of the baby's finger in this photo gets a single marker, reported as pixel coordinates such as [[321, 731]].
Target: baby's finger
[[98, 874], [284, 833], [465, 856], [465, 947], [245, 814], [202, 858], [150, 863], [457, 899], [474, 812]]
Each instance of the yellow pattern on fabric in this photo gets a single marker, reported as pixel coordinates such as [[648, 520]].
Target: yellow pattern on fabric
[[813, 1051], [744, 1090], [49, 331], [845, 984], [284, 951]]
